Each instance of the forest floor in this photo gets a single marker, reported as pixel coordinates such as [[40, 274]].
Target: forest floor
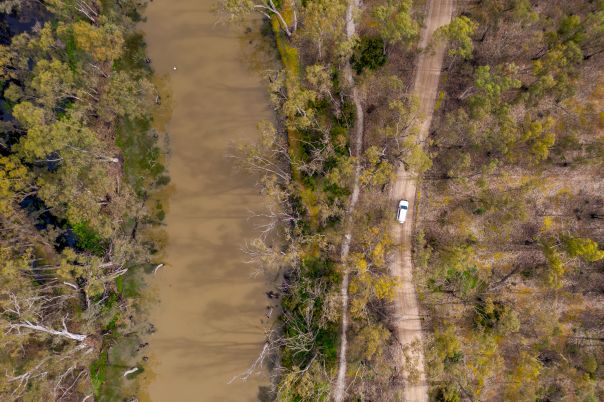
[[407, 317]]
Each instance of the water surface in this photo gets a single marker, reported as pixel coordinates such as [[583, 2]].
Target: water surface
[[209, 311]]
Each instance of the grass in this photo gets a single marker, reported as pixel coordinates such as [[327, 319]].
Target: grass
[[98, 373]]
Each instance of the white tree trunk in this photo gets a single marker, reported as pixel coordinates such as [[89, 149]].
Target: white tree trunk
[[40, 328]]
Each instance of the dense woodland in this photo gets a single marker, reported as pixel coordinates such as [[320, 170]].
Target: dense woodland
[[79, 173]]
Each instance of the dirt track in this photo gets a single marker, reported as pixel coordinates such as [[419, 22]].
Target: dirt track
[[357, 139], [407, 319]]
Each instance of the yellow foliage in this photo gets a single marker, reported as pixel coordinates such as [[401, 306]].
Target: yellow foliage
[[384, 287], [104, 43], [548, 221], [13, 178], [360, 263]]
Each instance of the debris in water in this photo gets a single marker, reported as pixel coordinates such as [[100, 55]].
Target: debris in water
[[132, 370]]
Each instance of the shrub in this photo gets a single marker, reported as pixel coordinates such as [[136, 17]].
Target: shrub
[[88, 239], [369, 53]]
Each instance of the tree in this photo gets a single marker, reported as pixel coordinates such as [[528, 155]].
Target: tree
[[378, 171], [298, 107], [15, 179], [584, 248], [104, 43], [395, 22], [126, 96], [492, 85], [70, 224], [540, 137], [8, 6], [237, 9], [447, 345], [404, 120], [368, 343], [324, 23], [415, 156], [52, 82], [320, 78], [459, 33], [555, 72], [268, 155]]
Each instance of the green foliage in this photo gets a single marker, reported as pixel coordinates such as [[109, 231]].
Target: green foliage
[[556, 267], [318, 268], [98, 373], [378, 171], [71, 49], [447, 346], [447, 393], [133, 55], [324, 25], [347, 115], [488, 313], [465, 281], [556, 72], [368, 343], [395, 21], [492, 86], [368, 54], [540, 138], [459, 32], [88, 239]]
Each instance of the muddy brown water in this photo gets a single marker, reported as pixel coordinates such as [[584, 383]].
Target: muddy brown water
[[209, 309]]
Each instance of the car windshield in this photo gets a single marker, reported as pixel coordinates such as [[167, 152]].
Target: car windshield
[[403, 207]]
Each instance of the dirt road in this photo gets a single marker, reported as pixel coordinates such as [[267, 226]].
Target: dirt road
[[407, 319]]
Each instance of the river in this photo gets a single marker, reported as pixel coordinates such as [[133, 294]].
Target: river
[[209, 310]]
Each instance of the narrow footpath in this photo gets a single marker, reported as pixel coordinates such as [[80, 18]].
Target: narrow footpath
[[357, 140], [407, 318]]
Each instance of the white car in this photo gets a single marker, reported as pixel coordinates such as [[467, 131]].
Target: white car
[[401, 213]]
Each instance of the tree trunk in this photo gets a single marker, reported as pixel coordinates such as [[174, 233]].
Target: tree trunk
[[40, 328]]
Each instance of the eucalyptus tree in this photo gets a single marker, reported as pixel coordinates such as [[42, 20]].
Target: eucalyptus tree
[[238, 9], [396, 23]]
